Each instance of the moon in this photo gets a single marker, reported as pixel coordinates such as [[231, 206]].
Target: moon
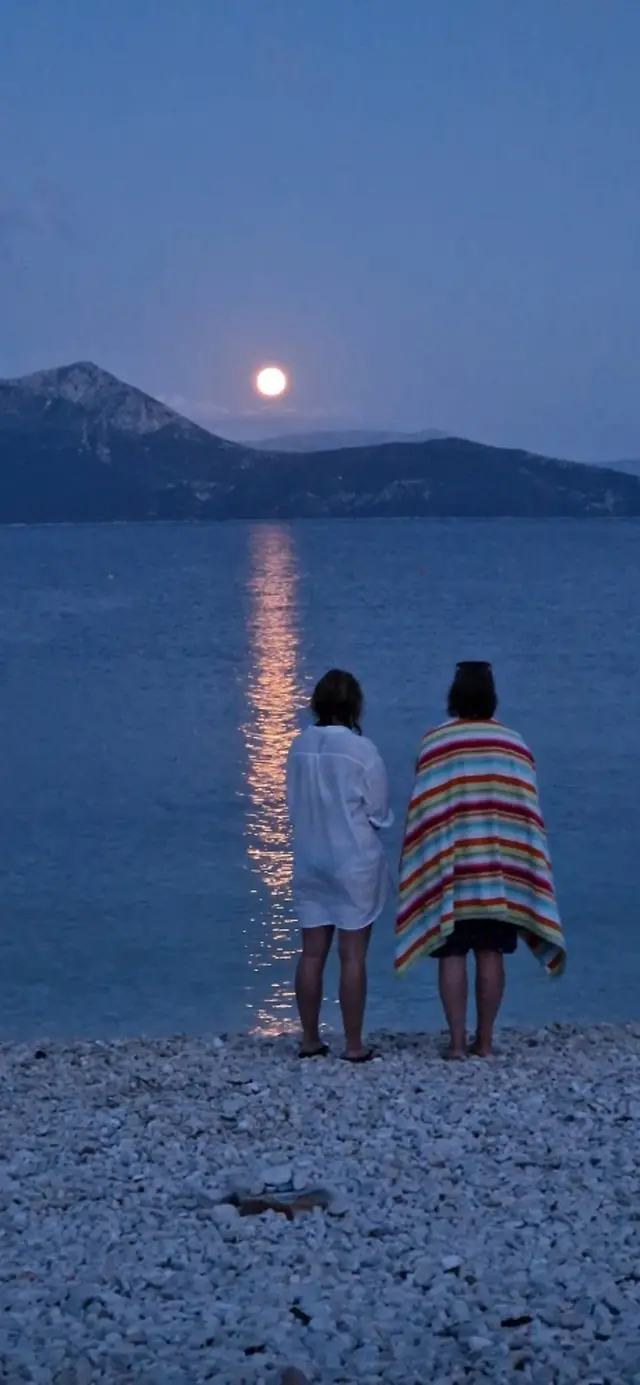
[[271, 382]]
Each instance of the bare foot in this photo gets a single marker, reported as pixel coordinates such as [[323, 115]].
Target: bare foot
[[478, 1050], [453, 1054], [358, 1055]]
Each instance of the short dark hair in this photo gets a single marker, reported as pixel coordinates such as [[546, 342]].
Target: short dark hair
[[338, 700], [472, 695]]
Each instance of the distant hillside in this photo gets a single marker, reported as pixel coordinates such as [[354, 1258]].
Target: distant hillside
[[631, 467], [77, 444], [335, 441]]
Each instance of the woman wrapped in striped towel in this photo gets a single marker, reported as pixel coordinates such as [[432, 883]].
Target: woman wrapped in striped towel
[[475, 873]]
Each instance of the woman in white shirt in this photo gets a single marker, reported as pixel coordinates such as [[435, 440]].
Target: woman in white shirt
[[338, 800]]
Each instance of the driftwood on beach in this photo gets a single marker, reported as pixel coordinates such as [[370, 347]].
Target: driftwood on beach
[[479, 1218]]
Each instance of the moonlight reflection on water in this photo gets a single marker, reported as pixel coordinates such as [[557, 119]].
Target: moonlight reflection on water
[[275, 697]]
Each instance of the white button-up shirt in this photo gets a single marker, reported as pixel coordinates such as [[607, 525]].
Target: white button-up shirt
[[338, 798]]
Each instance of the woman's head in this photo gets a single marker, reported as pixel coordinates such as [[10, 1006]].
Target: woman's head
[[338, 700], [472, 695]]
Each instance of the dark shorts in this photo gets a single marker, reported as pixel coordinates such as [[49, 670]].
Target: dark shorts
[[479, 935]]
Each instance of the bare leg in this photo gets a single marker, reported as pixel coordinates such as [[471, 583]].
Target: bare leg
[[489, 992], [316, 943], [452, 979], [353, 987]]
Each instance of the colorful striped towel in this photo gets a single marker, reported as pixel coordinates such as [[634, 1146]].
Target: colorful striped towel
[[475, 844]]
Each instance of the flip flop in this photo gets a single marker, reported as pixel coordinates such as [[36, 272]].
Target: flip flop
[[364, 1057], [321, 1052]]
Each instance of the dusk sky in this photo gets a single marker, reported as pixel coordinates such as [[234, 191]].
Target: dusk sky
[[427, 210]]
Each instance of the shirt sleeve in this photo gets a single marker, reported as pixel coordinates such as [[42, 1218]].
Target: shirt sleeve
[[376, 794], [288, 785]]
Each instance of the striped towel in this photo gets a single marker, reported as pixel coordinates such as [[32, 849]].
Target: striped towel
[[475, 844]]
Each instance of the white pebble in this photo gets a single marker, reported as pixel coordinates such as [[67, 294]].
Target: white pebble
[[278, 1176], [481, 1213]]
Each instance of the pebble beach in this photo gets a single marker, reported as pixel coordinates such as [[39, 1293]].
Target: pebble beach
[[187, 1210]]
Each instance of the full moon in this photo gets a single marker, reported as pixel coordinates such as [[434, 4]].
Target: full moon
[[271, 381]]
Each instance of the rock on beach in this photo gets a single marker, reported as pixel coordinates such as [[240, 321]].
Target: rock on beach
[[464, 1222]]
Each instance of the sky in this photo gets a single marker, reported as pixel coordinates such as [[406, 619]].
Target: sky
[[427, 210]]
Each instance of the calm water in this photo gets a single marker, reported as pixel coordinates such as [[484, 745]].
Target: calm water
[[152, 680]]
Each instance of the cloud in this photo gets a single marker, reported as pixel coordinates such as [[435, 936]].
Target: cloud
[[253, 425], [44, 211], [53, 209], [200, 410], [208, 411], [15, 224]]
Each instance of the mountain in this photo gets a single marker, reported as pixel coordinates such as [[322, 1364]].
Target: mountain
[[336, 441], [76, 443], [79, 445], [632, 467]]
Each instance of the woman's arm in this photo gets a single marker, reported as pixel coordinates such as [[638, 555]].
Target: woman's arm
[[376, 795]]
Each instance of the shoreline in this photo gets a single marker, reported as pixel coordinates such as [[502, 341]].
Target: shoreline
[[509, 1038], [510, 1043], [478, 1220]]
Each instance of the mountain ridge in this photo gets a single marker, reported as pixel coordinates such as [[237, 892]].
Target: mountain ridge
[[79, 445], [95, 390], [335, 440]]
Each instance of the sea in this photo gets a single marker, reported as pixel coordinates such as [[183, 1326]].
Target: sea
[[152, 678]]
